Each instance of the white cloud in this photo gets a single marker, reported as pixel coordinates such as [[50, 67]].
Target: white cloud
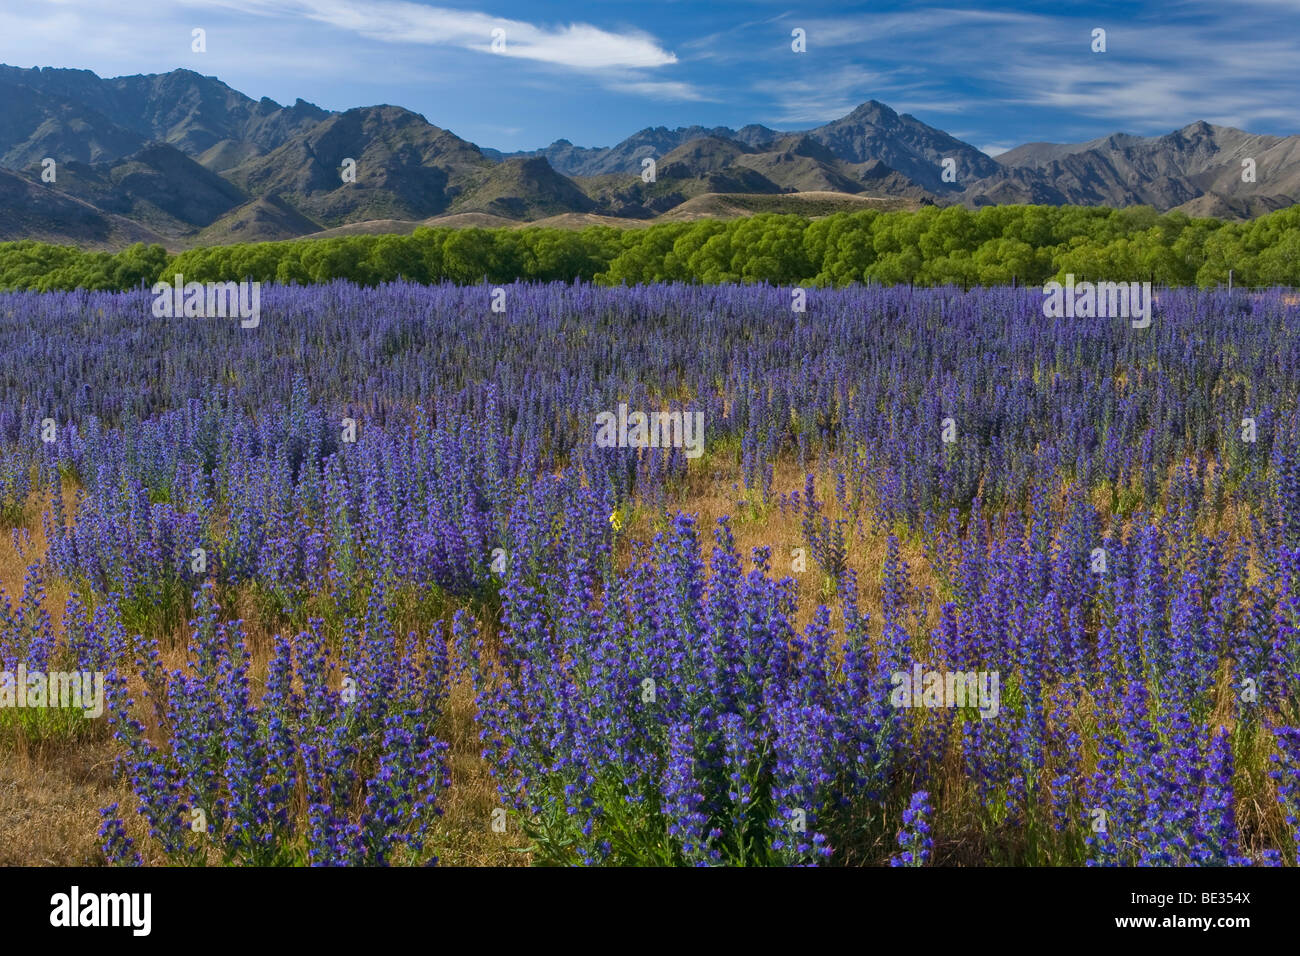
[[872, 31], [1236, 81], [1234, 67], [827, 96], [658, 89], [577, 45]]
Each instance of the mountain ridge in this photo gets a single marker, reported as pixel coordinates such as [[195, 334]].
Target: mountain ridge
[[184, 157]]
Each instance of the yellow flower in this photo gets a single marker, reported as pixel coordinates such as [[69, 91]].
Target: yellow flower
[[614, 520]]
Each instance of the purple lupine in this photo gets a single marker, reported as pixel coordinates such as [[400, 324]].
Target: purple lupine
[[914, 839]]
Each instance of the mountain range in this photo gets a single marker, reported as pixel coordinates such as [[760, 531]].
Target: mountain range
[[182, 159]]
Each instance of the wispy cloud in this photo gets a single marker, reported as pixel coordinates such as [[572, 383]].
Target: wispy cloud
[[660, 89], [1162, 69], [826, 96], [950, 28], [1144, 80], [576, 45]]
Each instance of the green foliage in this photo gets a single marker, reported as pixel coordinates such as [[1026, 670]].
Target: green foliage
[[996, 245], [42, 267], [48, 726]]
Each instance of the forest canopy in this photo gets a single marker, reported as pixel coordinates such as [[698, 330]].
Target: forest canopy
[[996, 245]]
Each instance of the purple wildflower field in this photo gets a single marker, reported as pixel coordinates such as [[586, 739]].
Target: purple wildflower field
[[944, 581]]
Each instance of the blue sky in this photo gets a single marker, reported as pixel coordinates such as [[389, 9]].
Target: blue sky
[[994, 75]]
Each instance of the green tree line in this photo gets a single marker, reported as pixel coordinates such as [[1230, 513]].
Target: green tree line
[[996, 245]]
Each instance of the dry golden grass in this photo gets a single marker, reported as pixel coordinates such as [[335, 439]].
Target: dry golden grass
[[49, 804], [756, 526]]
